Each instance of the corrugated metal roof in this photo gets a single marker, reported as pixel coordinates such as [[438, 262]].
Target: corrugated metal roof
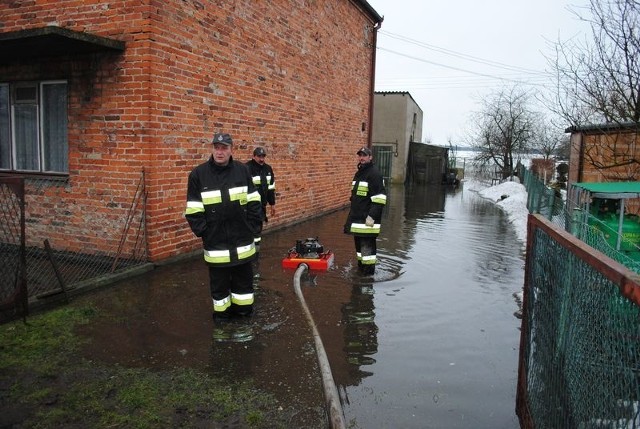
[[397, 93], [603, 128]]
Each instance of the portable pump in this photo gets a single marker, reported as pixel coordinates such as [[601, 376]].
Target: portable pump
[[309, 248], [308, 251]]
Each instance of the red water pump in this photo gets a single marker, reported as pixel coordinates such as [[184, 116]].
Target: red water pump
[[308, 251]]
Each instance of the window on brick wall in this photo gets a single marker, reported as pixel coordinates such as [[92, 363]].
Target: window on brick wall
[[33, 127]]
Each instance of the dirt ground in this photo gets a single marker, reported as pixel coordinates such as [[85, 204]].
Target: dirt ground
[[97, 363]]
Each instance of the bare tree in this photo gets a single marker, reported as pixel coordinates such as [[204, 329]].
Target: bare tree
[[598, 79], [547, 139], [505, 129], [598, 85], [564, 148]]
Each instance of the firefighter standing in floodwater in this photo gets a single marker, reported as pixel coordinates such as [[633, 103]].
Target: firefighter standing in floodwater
[[265, 181], [368, 198], [223, 209]]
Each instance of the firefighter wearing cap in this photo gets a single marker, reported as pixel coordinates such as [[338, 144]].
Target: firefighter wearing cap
[[368, 198], [223, 209], [265, 182]]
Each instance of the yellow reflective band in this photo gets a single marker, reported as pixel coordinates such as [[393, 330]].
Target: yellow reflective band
[[245, 252], [369, 260], [254, 197], [363, 188], [239, 194], [211, 197], [379, 199], [359, 256], [194, 207], [361, 228], [272, 186], [222, 304], [242, 299], [257, 240], [256, 180], [217, 256]]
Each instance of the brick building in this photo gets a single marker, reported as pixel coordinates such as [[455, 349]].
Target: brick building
[[604, 153], [397, 122], [105, 107]]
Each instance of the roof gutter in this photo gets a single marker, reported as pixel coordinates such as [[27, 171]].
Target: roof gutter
[[370, 11]]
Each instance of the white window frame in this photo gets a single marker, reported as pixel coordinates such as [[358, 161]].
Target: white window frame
[[41, 145]]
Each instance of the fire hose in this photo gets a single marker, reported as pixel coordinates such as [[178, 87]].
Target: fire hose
[[336, 416]]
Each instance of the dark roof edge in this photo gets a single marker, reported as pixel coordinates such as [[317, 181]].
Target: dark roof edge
[[602, 128], [370, 10], [64, 32], [398, 93]]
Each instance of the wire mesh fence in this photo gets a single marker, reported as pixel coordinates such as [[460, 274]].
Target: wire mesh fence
[[13, 294], [566, 210], [53, 246], [580, 340], [580, 346]]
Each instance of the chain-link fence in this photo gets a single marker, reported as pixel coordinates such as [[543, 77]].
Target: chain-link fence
[[580, 341], [580, 346], [54, 246], [13, 294], [566, 211]]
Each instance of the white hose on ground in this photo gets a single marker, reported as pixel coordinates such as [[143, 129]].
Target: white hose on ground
[[336, 416]]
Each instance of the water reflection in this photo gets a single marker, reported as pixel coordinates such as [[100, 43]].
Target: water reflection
[[406, 206], [435, 345], [428, 341], [361, 342]]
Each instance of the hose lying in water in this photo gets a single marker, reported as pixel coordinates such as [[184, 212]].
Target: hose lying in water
[[336, 416]]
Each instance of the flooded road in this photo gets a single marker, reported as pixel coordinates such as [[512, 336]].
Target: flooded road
[[429, 342]]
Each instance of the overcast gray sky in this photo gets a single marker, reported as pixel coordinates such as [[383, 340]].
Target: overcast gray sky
[[448, 54]]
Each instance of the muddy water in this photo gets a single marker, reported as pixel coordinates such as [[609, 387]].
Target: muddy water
[[430, 341]]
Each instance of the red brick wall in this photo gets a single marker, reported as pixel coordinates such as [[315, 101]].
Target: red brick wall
[[604, 157], [291, 76]]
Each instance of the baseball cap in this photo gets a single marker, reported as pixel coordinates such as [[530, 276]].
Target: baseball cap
[[364, 150], [259, 151], [222, 138]]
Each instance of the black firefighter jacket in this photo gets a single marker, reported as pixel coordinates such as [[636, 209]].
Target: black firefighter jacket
[[265, 182], [224, 209], [368, 198]]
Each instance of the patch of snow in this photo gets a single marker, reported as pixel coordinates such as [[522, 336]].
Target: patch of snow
[[511, 196]]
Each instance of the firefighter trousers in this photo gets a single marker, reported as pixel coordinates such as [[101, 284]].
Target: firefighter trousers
[[231, 289], [366, 254]]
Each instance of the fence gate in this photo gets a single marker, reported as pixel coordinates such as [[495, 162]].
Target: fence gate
[[13, 277], [40, 265], [383, 158]]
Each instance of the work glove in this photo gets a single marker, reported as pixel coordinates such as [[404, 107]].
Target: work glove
[[368, 221]]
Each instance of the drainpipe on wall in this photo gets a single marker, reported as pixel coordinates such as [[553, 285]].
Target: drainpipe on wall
[[376, 27]]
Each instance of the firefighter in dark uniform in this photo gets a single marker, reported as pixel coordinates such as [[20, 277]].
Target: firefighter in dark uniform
[[368, 198], [223, 209], [265, 182]]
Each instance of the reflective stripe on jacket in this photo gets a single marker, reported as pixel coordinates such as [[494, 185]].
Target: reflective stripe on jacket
[[368, 198], [224, 209], [265, 181]]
